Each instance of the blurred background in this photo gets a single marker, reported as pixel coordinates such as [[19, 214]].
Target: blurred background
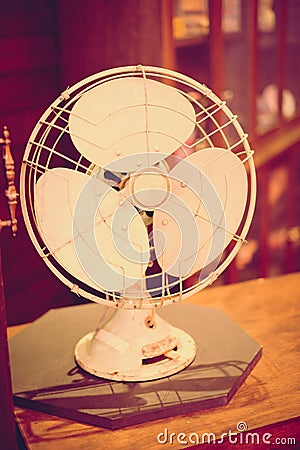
[[246, 51]]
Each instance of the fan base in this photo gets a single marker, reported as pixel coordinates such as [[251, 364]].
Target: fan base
[[51, 382], [135, 346]]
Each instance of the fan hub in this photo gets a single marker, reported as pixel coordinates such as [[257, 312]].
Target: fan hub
[[149, 188]]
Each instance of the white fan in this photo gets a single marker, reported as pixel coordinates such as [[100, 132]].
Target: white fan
[[137, 189]]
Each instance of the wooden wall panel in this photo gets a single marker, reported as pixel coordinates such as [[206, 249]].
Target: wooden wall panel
[[21, 124], [29, 81], [26, 90], [30, 288], [25, 18], [46, 46], [107, 34], [28, 53]]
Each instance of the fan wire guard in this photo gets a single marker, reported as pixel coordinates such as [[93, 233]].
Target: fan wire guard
[[51, 146]]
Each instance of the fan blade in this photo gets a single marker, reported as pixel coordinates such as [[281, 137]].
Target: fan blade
[[209, 194], [88, 228], [129, 123]]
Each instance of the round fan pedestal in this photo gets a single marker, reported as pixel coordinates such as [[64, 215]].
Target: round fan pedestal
[[135, 345]]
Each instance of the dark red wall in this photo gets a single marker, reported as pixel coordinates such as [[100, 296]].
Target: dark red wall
[[46, 46], [29, 80]]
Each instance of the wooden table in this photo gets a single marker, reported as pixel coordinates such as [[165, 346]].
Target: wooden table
[[268, 401]]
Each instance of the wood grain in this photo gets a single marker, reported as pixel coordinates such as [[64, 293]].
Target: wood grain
[[268, 309]]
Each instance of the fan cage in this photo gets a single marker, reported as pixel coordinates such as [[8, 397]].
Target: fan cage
[[50, 146]]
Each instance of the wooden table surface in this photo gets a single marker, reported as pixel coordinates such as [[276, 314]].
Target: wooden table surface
[[268, 310]]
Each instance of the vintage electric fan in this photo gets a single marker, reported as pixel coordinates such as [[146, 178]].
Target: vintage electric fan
[[137, 189]]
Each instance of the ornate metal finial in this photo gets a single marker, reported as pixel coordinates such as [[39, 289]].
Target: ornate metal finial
[[10, 192]]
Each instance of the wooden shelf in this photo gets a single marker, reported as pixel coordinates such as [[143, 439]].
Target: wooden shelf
[[277, 141], [192, 41], [246, 63]]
